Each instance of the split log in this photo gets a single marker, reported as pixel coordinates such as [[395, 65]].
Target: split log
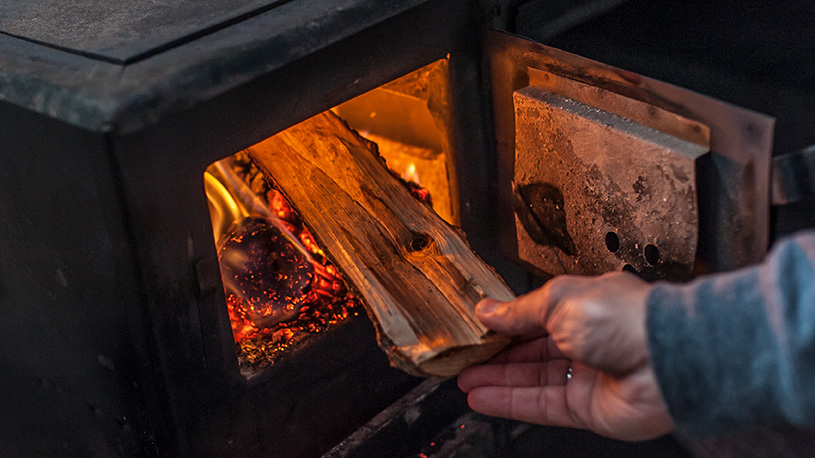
[[416, 275]]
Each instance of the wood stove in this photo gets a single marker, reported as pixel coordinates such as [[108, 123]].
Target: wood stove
[[117, 340]]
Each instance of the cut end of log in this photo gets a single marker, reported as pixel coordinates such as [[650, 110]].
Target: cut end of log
[[453, 361]]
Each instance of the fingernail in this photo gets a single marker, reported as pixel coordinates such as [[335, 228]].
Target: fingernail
[[486, 306]]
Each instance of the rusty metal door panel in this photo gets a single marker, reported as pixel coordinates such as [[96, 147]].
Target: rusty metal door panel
[[731, 183]]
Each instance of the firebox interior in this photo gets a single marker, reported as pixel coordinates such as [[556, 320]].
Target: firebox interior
[[280, 287], [409, 120]]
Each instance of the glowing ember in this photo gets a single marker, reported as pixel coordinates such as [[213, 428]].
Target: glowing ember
[[280, 288], [263, 269], [419, 193]]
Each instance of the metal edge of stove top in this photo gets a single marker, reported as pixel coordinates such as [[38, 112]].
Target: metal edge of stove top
[[104, 96], [121, 31]]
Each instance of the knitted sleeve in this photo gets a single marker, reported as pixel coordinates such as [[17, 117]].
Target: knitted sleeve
[[736, 351]]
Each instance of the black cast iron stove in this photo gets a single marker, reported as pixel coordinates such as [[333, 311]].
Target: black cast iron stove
[[116, 339]]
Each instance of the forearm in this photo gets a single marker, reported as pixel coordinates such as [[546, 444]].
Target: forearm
[[737, 350]]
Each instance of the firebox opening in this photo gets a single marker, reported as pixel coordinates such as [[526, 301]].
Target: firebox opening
[[281, 289]]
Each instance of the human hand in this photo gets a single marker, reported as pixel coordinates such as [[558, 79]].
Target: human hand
[[584, 363]]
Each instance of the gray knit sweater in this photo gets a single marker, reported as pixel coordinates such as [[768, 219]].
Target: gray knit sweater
[[734, 353]]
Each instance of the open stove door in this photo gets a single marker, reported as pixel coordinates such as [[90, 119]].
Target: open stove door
[[601, 169]]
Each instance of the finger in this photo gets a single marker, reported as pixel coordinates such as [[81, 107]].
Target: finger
[[543, 406], [540, 349], [527, 314], [553, 373]]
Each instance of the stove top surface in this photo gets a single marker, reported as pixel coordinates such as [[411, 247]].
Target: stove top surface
[[122, 31]]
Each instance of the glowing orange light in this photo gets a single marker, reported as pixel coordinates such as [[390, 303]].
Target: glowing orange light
[[411, 175]]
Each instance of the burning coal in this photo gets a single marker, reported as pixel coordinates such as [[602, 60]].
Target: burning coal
[[279, 285]]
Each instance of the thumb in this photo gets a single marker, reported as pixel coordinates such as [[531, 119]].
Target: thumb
[[522, 316], [527, 315]]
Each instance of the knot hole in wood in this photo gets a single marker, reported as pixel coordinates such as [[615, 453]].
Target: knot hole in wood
[[418, 243]]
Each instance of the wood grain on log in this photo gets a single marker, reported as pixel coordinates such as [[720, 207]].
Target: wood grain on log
[[416, 275]]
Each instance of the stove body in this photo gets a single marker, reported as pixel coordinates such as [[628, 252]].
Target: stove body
[[116, 339]]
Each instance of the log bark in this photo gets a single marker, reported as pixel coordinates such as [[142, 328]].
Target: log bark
[[416, 275]]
